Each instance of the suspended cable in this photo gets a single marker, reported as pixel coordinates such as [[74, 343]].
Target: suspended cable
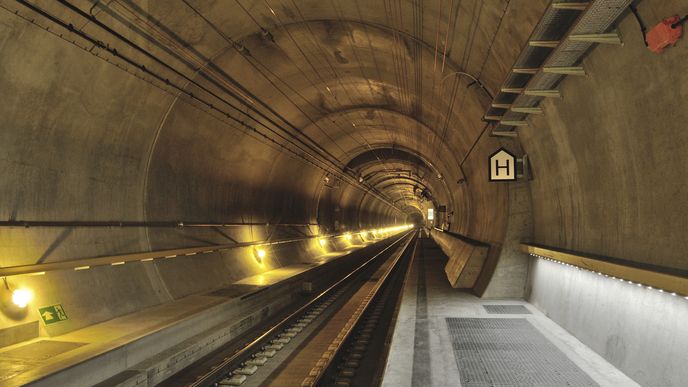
[[249, 106], [166, 81]]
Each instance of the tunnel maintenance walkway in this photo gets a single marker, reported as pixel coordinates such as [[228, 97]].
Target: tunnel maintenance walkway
[[448, 337], [138, 348]]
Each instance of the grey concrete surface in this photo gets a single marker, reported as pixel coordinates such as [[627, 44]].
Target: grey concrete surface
[[275, 98], [638, 330], [511, 271], [608, 157], [439, 366], [87, 136], [150, 345]]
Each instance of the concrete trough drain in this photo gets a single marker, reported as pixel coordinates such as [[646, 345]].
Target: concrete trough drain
[[506, 309], [510, 352]]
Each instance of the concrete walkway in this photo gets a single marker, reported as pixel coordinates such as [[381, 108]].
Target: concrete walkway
[[141, 341], [448, 337]]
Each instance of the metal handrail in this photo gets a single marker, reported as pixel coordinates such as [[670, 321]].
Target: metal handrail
[[126, 223], [86, 263]]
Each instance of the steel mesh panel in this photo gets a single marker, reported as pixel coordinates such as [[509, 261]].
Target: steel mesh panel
[[600, 16], [505, 98], [544, 80], [569, 54], [517, 80], [513, 116], [510, 352], [554, 24], [524, 59], [527, 100], [506, 309]]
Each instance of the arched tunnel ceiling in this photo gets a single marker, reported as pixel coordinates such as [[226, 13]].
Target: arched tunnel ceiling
[[247, 112], [344, 75], [392, 171], [296, 87]]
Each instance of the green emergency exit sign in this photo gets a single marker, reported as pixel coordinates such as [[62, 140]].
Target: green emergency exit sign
[[52, 314]]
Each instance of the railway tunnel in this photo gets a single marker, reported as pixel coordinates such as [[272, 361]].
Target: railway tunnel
[[198, 192]]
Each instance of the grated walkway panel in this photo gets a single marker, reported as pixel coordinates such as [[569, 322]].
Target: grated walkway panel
[[506, 309], [510, 352]]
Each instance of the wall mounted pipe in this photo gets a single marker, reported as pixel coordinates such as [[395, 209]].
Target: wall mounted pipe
[[142, 224], [115, 260]]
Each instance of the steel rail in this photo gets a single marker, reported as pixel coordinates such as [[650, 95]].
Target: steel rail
[[319, 370], [218, 372]]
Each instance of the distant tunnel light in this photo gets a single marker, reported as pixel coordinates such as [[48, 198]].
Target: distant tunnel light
[[261, 253], [21, 297], [364, 234], [322, 242], [348, 236], [431, 214]]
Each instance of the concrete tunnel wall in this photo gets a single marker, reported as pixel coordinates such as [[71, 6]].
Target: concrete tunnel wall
[[85, 140], [609, 161]]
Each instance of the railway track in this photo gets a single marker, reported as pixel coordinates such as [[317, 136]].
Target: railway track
[[339, 338]]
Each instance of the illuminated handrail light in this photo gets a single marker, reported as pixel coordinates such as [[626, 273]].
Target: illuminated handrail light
[[629, 282]]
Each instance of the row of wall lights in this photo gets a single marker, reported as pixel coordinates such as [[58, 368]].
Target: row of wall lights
[[607, 276], [22, 297]]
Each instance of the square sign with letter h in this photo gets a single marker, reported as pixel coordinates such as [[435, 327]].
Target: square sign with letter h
[[502, 166]]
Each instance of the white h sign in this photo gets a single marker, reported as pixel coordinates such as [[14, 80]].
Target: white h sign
[[502, 166]]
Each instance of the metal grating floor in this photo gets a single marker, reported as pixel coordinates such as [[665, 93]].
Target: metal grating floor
[[510, 352], [506, 309]]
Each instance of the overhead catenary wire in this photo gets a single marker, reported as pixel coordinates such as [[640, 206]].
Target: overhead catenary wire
[[177, 72], [248, 56], [387, 130], [324, 57], [163, 80], [248, 130], [313, 146]]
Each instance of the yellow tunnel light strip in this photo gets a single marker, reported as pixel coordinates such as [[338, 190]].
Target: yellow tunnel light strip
[[82, 268], [116, 260], [661, 282]]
